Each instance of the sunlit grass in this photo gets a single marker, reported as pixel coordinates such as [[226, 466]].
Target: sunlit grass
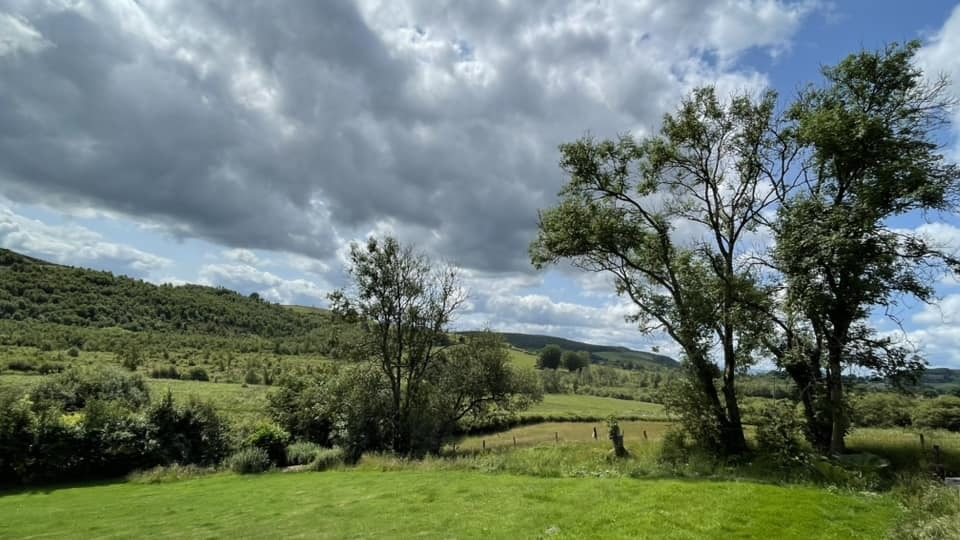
[[435, 504]]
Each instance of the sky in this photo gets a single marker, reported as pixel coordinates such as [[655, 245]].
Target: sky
[[247, 144]]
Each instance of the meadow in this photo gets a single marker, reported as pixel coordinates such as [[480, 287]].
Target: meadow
[[434, 504]]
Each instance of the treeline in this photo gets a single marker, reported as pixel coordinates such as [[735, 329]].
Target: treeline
[[33, 291]]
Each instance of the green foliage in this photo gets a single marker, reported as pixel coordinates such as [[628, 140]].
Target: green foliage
[[302, 453], [250, 460], [300, 405], [75, 387], [550, 357], [931, 513], [198, 374], [575, 361], [191, 432], [942, 412], [882, 409], [411, 387], [621, 357], [165, 372], [780, 435], [273, 440], [327, 459]]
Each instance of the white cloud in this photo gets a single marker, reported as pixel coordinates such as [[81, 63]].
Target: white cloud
[[941, 56], [18, 36], [270, 286], [72, 244]]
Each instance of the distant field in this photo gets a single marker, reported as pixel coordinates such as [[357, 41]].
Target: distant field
[[564, 432], [351, 504], [572, 406]]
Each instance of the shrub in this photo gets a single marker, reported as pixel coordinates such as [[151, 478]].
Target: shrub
[[165, 372], [73, 352], [938, 413], [300, 406], [20, 365], [251, 377], [198, 374], [163, 474], [882, 410], [249, 461], [48, 368], [190, 433], [327, 459], [302, 453], [272, 439], [779, 435], [74, 387]]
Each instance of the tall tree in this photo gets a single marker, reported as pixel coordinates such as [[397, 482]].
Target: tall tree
[[412, 386], [405, 306], [550, 357], [619, 213], [867, 136]]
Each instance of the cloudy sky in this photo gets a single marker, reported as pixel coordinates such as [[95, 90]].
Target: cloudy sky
[[246, 144]]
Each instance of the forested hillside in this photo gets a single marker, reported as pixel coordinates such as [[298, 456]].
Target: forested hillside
[[32, 290], [599, 354]]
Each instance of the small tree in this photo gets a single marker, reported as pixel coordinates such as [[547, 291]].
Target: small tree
[[575, 361], [550, 357], [413, 386]]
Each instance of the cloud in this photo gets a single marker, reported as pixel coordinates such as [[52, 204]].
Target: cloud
[[247, 278], [73, 244], [941, 56], [296, 127]]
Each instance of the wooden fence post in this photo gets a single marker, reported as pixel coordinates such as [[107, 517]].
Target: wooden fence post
[[594, 432], [556, 437], [484, 443]]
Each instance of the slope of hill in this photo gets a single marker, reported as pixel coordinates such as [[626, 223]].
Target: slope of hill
[[35, 291], [599, 354]]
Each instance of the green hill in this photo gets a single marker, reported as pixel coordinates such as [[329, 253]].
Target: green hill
[[36, 291], [599, 354]]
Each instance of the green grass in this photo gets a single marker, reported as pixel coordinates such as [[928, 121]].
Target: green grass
[[902, 447], [357, 504], [565, 432], [559, 406]]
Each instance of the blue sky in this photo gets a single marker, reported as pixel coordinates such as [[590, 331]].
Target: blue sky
[[246, 145]]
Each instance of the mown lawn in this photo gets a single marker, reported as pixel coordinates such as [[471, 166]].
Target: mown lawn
[[435, 504]]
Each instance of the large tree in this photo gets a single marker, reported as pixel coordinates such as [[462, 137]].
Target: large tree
[[867, 139], [619, 214]]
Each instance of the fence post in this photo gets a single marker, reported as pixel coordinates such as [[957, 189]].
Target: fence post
[[556, 436], [594, 432], [644, 434], [938, 463], [484, 443], [923, 445], [514, 440]]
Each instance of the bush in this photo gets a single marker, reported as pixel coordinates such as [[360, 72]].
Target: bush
[[74, 387], [249, 461], [780, 435], [882, 410], [302, 453], [198, 374], [163, 474], [327, 459], [49, 368], [938, 413], [20, 365], [165, 372], [190, 433], [251, 377], [272, 439], [73, 352]]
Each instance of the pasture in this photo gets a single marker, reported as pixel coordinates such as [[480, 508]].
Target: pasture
[[435, 504]]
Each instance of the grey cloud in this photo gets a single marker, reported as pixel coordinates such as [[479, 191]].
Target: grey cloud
[[298, 126]]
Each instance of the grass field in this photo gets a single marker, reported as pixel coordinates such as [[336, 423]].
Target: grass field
[[356, 504], [565, 432], [558, 406]]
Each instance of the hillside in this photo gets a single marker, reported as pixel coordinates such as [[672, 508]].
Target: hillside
[[35, 291], [599, 354]]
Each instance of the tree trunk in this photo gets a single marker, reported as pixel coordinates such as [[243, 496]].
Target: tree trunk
[[733, 437], [838, 418]]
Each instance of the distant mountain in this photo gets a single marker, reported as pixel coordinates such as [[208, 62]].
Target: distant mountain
[[32, 290], [599, 354]]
